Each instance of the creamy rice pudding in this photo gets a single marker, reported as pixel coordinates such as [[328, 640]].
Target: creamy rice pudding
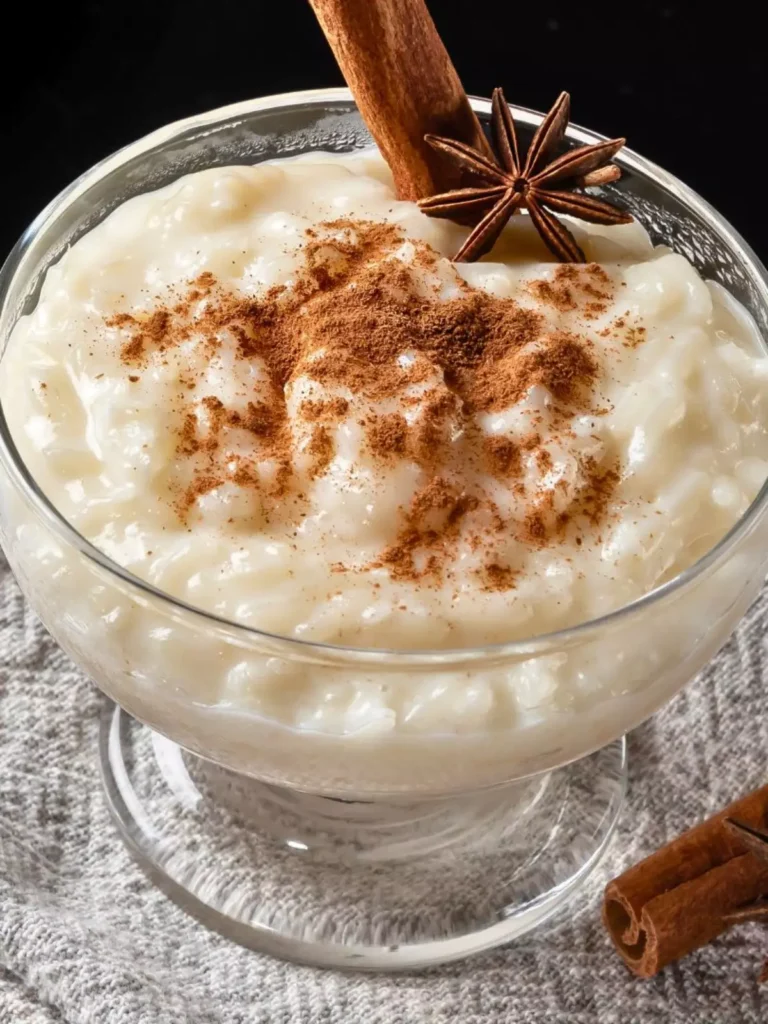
[[268, 391]]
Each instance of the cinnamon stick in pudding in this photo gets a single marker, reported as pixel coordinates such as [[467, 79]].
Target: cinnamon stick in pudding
[[405, 85], [687, 893]]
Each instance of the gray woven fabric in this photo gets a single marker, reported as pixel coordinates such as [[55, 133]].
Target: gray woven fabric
[[85, 938]]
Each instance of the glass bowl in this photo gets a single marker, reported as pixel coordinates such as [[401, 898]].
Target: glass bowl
[[375, 849]]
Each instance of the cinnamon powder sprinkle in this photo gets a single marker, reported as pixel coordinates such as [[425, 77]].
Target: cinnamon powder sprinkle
[[358, 321], [498, 577], [503, 457], [429, 532], [586, 288], [388, 436], [333, 409], [321, 449]]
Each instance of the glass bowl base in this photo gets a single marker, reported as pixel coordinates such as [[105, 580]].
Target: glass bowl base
[[357, 885]]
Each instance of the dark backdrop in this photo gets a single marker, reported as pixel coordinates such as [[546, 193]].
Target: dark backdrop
[[688, 89]]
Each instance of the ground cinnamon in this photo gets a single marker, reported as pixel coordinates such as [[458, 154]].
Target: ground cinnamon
[[409, 368], [687, 893]]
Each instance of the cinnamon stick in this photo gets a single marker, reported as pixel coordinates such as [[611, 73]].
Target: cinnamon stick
[[680, 897], [405, 86]]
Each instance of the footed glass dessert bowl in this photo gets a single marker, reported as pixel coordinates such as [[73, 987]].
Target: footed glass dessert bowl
[[371, 805]]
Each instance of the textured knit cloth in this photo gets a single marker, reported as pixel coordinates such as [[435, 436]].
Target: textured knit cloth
[[86, 939]]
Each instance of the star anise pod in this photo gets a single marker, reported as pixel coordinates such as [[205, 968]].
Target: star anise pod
[[511, 183]]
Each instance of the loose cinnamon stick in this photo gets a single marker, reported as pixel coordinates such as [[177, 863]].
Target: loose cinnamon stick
[[679, 898], [405, 86]]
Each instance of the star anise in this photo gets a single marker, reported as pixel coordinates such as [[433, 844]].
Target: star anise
[[511, 183]]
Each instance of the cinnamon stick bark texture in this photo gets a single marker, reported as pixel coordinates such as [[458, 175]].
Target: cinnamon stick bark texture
[[679, 898], [405, 86]]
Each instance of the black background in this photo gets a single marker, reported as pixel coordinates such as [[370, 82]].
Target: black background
[[686, 87]]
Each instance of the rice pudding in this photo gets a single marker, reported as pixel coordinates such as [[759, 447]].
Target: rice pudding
[[268, 392]]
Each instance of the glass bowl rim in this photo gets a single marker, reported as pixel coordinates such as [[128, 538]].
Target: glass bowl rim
[[10, 457]]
